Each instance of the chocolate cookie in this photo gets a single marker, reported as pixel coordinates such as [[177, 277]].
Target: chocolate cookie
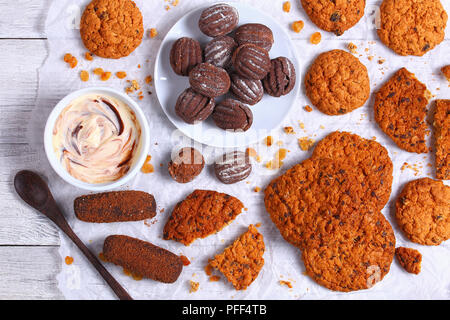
[[412, 27], [251, 62], [400, 110], [246, 90], [409, 259], [423, 211], [218, 20], [233, 167], [143, 258], [232, 115], [281, 78], [187, 165], [185, 54], [243, 260], [355, 259], [111, 29], [334, 16], [441, 126], [201, 214], [256, 34], [115, 206], [219, 51], [368, 155], [337, 83], [194, 107], [209, 80]]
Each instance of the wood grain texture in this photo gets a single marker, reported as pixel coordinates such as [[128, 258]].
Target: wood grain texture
[[29, 273], [23, 18]]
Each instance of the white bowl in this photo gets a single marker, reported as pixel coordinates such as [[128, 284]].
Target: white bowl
[[268, 114], [56, 164]]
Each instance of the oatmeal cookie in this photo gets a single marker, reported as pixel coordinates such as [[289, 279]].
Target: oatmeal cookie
[[368, 155], [400, 110], [337, 83], [201, 214], [409, 259], [412, 27], [111, 28], [243, 260], [314, 197], [334, 16], [442, 135], [423, 211], [355, 259], [446, 72]]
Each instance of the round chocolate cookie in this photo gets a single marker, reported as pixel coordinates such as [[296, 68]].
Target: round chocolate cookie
[[400, 111], [368, 155], [111, 29], [251, 62], [232, 115], [354, 258], [246, 90], [334, 16], [187, 165], [423, 211], [281, 78], [218, 20], [193, 107], [412, 27], [185, 54], [209, 80], [219, 51], [233, 167], [256, 34], [337, 83]]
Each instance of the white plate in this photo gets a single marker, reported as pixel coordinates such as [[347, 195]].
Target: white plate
[[268, 114]]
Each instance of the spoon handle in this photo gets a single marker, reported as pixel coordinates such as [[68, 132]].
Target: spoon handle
[[121, 293]]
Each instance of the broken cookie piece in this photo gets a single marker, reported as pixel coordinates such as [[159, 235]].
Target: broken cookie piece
[[409, 259]]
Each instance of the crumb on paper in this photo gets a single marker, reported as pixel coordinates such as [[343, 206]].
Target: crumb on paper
[[208, 270], [352, 48], [257, 189], [121, 74], [88, 56], [301, 125], [316, 37], [193, 286], [134, 86], [268, 141], [185, 260], [286, 283], [289, 130], [322, 127], [446, 72], [308, 108], [70, 60], [370, 58], [148, 79], [280, 143], [297, 26], [258, 225], [277, 162], [147, 167], [287, 6], [381, 61], [68, 260], [305, 143], [416, 168], [84, 75], [153, 32], [214, 278]]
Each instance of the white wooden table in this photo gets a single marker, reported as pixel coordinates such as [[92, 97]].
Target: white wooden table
[[29, 260]]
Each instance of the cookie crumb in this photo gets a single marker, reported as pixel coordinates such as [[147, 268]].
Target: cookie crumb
[[193, 286], [148, 79], [446, 72], [381, 61], [121, 74], [352, 48], [257, 189], [268, 141], [153, 32], [287, 6], [214, 278], [285, 283], [289, 130], [134, 86], [147, 167], [316, 37], [84, 75], [409, 259], [208, 270], [297, 26], [102, 257], [305, 143], [185, 260]]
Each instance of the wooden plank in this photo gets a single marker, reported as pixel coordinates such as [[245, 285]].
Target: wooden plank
[[29, 273], [19, 224], [19, 62], [23, 18]]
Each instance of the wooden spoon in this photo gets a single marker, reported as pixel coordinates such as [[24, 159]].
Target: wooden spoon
[[34, 191]]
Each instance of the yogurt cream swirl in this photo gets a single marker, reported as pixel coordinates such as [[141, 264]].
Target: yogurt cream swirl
[[96, 137]]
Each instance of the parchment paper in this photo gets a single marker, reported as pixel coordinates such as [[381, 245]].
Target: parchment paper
[[282, 261]]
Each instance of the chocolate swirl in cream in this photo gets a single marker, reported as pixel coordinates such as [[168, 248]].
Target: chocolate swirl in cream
[[97, 138]]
